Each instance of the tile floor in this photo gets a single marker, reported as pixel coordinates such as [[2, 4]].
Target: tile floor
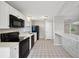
[[46, 49]]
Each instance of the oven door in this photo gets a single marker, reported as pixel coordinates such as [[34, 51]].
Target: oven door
[[10, 37], [16, 23]]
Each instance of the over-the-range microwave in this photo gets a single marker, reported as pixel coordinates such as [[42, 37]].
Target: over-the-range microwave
[[15, 22]]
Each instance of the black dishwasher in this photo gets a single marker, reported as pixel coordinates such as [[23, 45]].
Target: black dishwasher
[[24, 48], [32, 41]]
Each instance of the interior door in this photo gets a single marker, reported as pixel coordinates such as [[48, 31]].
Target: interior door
[[48, 30]]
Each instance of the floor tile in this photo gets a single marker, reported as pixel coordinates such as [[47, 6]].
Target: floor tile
[[46, 49]]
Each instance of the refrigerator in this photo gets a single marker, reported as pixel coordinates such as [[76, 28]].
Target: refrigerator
[[35, 28]]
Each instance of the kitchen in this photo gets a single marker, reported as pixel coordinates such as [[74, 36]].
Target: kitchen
[[13, 41], [40, 30]]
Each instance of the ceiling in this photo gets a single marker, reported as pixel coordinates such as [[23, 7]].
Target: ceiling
[[37, 9], [70, 11]]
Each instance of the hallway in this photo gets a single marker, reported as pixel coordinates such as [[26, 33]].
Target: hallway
[[46, 49]]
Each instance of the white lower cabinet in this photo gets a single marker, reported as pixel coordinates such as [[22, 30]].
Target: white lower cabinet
[[58, 39], [4, 52], [71, 45], [14, 52], [65, 43], [77, 49], [9, 52]]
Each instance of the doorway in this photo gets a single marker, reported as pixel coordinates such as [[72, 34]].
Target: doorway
[[48, 29], [41, 24]]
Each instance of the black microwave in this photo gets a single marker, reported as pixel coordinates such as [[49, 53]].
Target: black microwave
[[15, 22]]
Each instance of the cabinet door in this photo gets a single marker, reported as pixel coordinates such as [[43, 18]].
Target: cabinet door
[[73, 47], [4, 15], [77, 46], [4, 52], [70, 45], [65, 43], [12, 11], [58, 39], [15, 12], [14, 52]]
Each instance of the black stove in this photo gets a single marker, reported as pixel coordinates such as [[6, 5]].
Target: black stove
[[10, 37], [14, 37]]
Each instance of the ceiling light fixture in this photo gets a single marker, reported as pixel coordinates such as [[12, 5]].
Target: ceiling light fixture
[[44, 17], [29, 18]]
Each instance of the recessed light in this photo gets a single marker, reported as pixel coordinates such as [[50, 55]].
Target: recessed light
[[29, 18], [44, 17]]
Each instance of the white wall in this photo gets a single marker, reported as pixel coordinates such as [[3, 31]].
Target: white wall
[[58, 28], [59, 24]]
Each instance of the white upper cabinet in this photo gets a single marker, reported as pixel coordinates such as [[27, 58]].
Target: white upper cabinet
[[4, 15], [15, 12], [5, 10]]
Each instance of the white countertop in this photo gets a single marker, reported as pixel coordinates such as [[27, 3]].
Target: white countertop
[[69, 36], [8, 44], [25, 35]]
